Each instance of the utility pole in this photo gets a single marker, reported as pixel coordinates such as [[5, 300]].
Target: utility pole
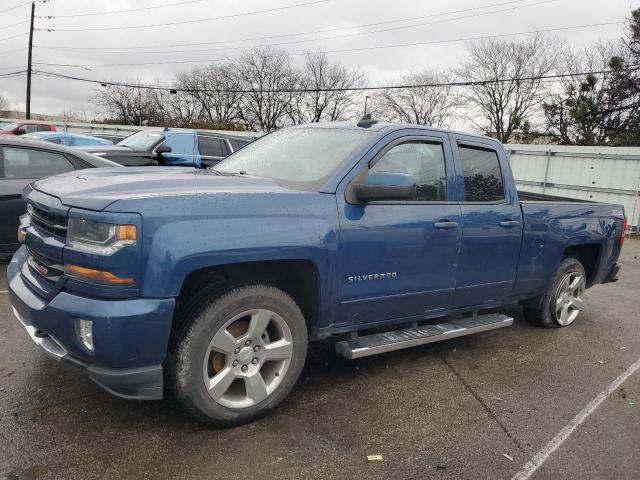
[[33, 14]]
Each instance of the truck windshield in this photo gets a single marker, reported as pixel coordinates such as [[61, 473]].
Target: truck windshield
[[142, 141], [299, 158]]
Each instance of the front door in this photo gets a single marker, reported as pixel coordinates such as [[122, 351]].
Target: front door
[[184, 149], [398, 259], [491, 223]]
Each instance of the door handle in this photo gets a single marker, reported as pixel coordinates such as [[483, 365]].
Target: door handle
[[445, 225], [509, 223]]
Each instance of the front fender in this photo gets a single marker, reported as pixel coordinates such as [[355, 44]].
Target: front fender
[[298, 227]]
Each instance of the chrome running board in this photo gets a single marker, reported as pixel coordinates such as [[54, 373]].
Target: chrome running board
[[363, 346]]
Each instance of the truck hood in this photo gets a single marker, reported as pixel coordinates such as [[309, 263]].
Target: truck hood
[[97, 188]]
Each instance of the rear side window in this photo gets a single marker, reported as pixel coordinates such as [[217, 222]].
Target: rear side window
[[43, 128], [237, 144], [211, 147], [482, 175], [27, 163]]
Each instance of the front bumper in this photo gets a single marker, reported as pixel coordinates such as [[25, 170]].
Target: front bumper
[[130, 336]]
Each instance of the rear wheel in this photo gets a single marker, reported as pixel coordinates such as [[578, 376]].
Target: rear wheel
[[239, 356], [562, 302]]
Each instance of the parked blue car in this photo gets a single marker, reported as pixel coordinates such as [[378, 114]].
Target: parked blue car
[[68, 139]]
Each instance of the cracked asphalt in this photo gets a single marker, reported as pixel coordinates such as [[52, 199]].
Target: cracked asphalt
[[448, 410]]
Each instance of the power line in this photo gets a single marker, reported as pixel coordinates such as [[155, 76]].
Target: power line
[[16, 7], [315, 90], [13, 24], [23, 4], [183, 22], [334, 29], [113, 12], [13, 36], [401, 27], [12, 74], [358, 49]]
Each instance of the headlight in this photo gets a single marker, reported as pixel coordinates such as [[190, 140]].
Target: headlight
[[101, 238]]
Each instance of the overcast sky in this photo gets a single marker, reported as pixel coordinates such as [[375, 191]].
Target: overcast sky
[[433, 20]]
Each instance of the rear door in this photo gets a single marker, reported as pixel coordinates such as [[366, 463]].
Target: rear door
[[19, 167], [212, 149], [397, 259], [491, 223]]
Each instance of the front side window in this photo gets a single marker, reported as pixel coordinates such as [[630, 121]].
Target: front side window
[[31, 127], [482, 174], [299, 158], [27, 163], [425, 161]]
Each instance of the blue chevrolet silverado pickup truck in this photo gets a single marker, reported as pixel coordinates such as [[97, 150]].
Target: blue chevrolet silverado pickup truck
[[210, 283]]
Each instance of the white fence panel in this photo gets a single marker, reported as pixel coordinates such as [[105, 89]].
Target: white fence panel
[[601, 174]]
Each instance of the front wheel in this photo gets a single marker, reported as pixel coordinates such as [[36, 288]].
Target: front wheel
[[561, 304], [239, 356]]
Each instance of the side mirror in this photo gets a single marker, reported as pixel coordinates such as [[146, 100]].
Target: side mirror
[[386, 186], [163, 149], [19, 131]]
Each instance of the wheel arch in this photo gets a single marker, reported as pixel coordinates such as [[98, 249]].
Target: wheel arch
[[298, 278], [588, 255]]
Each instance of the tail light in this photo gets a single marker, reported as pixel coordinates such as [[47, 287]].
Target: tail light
[[623, 231]]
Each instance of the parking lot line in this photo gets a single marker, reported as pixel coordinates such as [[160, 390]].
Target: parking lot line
[[539, 458], [4, 291]]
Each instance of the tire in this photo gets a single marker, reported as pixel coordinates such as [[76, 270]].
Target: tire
[[560, 305], [238, 354]]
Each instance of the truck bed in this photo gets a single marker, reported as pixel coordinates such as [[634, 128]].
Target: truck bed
[[541, 197]]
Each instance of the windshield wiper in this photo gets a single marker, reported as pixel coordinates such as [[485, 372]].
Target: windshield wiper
[[225, 174]]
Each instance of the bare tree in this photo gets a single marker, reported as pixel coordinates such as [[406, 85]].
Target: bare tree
[[175, 108], [268, 82], [130, 105], [328, 95], [216, 89], [424, 105], [509, 89]]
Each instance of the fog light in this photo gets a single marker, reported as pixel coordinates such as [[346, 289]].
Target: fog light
[[84, 328]]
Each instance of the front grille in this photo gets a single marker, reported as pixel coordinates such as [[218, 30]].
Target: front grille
[[43, 267], [48, 223]]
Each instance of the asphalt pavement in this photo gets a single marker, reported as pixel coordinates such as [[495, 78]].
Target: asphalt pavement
[[477, 407]]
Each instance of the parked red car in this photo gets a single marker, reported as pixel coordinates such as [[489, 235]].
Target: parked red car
[[20, 128]]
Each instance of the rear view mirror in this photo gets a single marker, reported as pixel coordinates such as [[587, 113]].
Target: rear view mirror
[[19, 131], [163, 149], [386, 186]]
